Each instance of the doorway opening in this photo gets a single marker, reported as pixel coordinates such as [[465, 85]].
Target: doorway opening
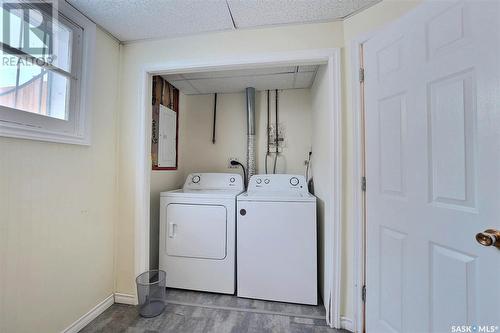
[[329, 177]]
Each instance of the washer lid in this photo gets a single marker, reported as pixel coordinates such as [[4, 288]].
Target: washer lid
[[208, 194], [279, 196]]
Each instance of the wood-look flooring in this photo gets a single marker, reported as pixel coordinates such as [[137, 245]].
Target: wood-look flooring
[[199, 312]]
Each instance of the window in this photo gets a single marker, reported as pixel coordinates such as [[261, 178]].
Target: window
[[45, 71]]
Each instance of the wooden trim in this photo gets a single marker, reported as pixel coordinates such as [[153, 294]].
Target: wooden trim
[[125, 299], [93, 313], [359, 171], [346, 324], [170, 100]]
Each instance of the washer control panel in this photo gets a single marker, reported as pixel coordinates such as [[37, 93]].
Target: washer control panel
[[277, 183], [213, 181]]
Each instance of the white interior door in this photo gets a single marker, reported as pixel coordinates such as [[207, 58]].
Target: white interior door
[[433, 169]]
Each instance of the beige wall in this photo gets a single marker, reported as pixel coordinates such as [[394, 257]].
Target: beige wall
[[57, 213], [229, 44]]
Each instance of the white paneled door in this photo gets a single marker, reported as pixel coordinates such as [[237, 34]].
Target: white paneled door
[[432, 83]]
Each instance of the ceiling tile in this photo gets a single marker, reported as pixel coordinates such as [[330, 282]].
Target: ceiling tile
[[233, 81], [304, 80], [253, 13], [308, 68], [130, 20], [233, 73], [142, 19], [184, 86]]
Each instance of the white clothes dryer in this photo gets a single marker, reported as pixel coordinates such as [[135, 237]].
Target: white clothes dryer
[[197, 232]]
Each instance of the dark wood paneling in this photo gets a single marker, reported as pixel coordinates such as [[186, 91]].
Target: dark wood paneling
[[167, 95]]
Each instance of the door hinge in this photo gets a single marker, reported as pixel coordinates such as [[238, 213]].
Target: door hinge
[[363, 184], [363, 294], [361, 74]]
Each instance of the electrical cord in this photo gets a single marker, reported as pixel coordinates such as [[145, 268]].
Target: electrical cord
[[308, 164], [233, 162], [268, 121], [276, 133]]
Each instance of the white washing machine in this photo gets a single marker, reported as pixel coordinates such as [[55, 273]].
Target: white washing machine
[[197, 232], [276, 233]]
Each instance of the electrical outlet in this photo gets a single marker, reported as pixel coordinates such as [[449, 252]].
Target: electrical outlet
[[229, 163]]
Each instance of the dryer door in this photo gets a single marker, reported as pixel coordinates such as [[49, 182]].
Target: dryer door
[[196, 231]]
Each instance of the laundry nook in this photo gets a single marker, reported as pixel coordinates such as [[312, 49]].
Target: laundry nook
[[249, 166], [245, 220]]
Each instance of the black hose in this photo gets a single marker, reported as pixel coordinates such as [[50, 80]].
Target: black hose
[[233, 162], [308, 164], [276, 133], [215, 118], [268, 138]]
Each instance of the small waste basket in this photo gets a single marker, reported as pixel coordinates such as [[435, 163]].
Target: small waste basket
[[151, 293]]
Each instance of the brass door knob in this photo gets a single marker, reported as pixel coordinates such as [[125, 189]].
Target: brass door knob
[[489, 237]]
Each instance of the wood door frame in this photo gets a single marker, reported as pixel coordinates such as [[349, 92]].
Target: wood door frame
[[359, 203], [332, 58]]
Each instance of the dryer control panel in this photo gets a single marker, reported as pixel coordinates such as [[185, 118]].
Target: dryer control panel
[[277, 183], [213, 181]]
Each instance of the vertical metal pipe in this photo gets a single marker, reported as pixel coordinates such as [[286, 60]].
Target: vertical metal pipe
[[250, 101], [215, 118]]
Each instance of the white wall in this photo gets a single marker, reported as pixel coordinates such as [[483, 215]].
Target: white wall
[[231, 131], [57, 214], [295, 114], [322, 171]]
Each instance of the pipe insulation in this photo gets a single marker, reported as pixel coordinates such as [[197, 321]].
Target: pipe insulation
[[250, 94]]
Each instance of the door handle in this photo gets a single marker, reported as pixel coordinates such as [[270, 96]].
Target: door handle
[[171, 229], [489, 237]]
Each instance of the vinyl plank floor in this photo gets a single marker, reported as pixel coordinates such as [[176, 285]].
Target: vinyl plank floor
[[197, 312]]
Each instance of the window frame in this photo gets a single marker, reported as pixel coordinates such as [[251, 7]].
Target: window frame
[[17, 123]]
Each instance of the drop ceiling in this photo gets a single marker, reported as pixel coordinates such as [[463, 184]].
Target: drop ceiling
[[130, 20], [232, 81]]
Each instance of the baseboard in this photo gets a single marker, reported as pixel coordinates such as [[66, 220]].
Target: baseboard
[[125, 299], [347, 324], [91, 315]]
